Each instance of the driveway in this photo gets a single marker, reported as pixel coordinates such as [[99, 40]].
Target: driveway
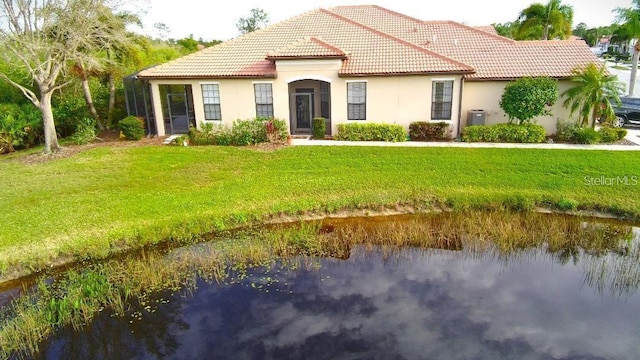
[[633, 134], [624, 76]]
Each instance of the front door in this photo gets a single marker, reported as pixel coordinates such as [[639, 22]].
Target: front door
[[178, 113], [303, 112]]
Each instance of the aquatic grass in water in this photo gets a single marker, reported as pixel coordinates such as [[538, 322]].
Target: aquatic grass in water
[[77, 296]]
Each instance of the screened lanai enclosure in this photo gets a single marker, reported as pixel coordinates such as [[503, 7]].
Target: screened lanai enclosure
[[176, 100], [138, 99]]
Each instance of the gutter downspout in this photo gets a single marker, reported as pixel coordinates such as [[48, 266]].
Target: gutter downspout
[[458, 130]]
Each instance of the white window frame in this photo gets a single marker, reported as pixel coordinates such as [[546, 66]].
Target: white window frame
[[349, 117], [255, 97], [204, 103], [453, 86]]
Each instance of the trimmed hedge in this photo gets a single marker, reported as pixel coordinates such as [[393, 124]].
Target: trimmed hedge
[[371, 132], [319, 128], [429, 131], [505, 133], [611, 134]]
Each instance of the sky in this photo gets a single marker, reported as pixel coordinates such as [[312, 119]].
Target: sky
[[216, 19]]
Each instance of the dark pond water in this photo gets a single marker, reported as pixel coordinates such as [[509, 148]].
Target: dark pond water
[[412, 304]]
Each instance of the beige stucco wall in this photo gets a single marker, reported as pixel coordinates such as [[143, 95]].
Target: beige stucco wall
[[485, 95], [390, 99]]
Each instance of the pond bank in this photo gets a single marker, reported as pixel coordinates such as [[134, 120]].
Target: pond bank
[[15, 276]]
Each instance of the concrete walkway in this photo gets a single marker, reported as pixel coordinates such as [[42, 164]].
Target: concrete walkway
[[308, 142]]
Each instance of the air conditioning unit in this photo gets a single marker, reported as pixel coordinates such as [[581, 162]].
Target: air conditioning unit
[[476, 117]]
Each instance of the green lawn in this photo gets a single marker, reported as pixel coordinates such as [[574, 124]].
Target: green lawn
[[105, 198]]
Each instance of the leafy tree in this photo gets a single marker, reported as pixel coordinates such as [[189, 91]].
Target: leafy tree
[[592, 93], [630, 17], [527, 98], [189, 44], [255, 21], [540, 21], [506, 29], [42, 37]]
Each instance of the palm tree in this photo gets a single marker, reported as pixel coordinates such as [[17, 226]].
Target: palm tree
[[592, 93], [630, 17], [540, 21]]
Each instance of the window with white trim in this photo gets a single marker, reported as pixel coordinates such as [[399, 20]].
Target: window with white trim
[[264, 100], [441, 101], [211, 100], [357, 100]]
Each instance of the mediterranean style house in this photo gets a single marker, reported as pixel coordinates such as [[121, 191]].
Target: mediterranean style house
[[355, 64]]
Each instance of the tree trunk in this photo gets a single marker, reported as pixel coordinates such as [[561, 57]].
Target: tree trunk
[[50, 136], [634, 68], [86, 90], [545, 36], [112, 100], [594, 116]]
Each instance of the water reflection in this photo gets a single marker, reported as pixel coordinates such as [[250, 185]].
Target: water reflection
[[414, 304]]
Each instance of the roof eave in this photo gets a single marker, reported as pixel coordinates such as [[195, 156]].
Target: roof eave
[[408, 73], [321, 57], [192, 77]]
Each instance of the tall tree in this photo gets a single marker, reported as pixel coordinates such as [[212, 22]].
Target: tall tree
[[255, 21], [544, 22], [630, 19], [42, 37], [592, 93]]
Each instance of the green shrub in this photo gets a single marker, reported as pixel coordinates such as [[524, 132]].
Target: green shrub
[[20, 127], [586, 135], [210, 134], [505, 133], [67, 112], [429, 131], [371, 132], [566, 131], [242, 133], [254, 131], [85, 132], [132, 128], [319, 128], [611, 134]]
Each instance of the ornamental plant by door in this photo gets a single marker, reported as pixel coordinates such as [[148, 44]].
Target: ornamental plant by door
[[319, 128]]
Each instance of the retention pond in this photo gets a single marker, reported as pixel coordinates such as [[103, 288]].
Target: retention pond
[[395, 288]]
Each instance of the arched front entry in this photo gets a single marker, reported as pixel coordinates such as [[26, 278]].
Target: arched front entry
[[309, 98]]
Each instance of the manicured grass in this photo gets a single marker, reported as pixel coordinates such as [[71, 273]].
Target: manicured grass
[[106, 198]]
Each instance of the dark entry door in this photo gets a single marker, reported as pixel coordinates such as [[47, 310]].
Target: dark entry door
[[304, 112], [178, 113]]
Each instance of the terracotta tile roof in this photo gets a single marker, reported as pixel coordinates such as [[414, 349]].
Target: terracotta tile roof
[[372, 40], [307, 48], [488, 28], [492, 56], [246, 56]]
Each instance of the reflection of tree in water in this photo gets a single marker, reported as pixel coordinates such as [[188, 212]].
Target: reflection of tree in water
[[117, 337], [617, 272]]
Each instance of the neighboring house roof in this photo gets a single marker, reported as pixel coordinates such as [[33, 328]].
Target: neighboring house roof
[[376, 41]]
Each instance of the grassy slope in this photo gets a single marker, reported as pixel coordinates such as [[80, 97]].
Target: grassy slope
[[86, 204]]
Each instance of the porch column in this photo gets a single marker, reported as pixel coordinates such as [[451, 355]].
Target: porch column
[[157, 108]]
